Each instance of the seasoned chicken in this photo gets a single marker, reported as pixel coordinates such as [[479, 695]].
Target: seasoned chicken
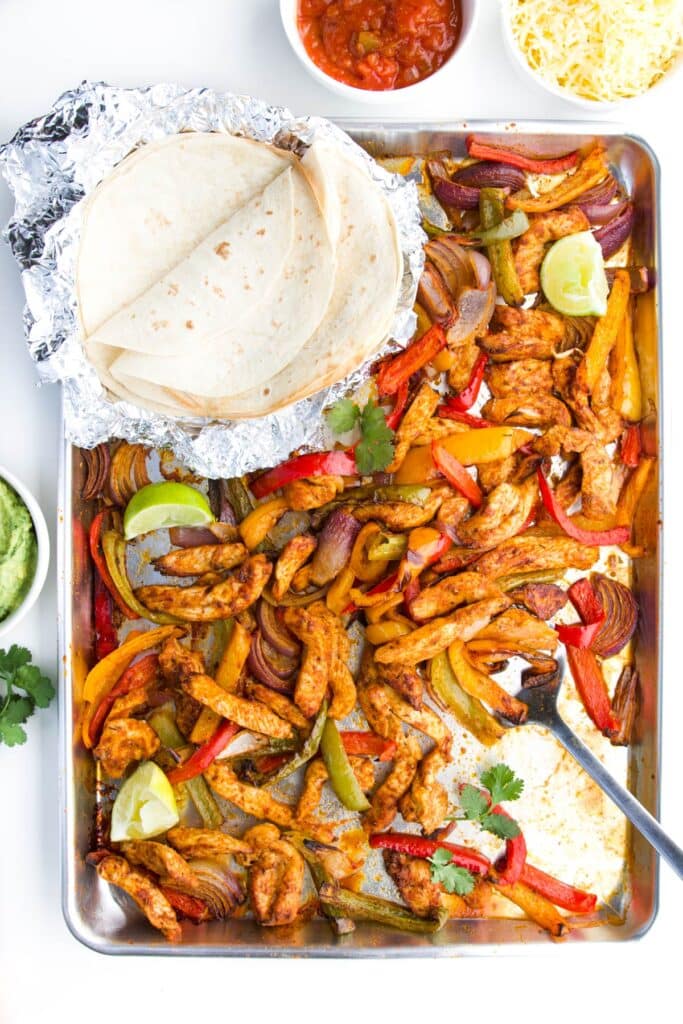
[[437, 429], [454, 508], [519, 377], [414, 421], [437, 635], [124, 741], [506, 509], [311, 626], [423, 719], [544, 228], [316, 776], [598, 497], [524, 334], [178, 662], [412, 878], [205, 843], [342, 687], [279, 703], [303, 495], [541, 599], [163, 861], [295, 553], [405, 680], [427, 800], [144, 892], [399, 515], [134, 702], [249, 714], [372, 697], [491, 474], [384, 802], [463, 364], [337, 863], [527, 410], [201, 559], [450, 592], [207, 603], [534, 553], [276, 877], [518, 629]]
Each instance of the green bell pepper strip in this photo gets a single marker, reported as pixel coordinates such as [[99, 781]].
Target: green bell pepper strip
[[340, 924], [492, 214], [360, 906], [114, 550], [509, 228], [470, 712], [309, 749], [387, 547], [342, 777], [164, 725]]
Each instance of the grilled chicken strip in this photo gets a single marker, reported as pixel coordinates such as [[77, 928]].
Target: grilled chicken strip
[[303, 495], [311, 626], [534, 553], [426, 641], [295, 553], [144, 892], [178, 662], [416, 417], [519, 630], [384, 802], [201, 559], [205, 843], [427, 800], [316, 776], [524, 334], [412, 878], [527, 410], [506, 510], [163, 861], [279, 703], [124, 741], [544, 228], [398, 515], [519, 377], [208, 603], [276, 877], [405, 680], [449, 593], [249, 714]]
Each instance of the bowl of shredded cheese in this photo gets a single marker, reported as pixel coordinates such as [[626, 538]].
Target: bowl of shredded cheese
[[595, 53]]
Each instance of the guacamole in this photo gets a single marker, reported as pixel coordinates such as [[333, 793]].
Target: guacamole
[[18, 550]]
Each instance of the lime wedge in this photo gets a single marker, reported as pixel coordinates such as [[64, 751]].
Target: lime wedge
[[166, 504], [573, 276], [145, 805]]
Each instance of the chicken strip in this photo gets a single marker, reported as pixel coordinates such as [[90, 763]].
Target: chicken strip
[[424, 720], [311, 627], [412, 878], [372, 697], [524, 334], [414, 422], [534, 553], [399, 515], [544, 228], [427, 800], [426, 641], [163, 861], [124, 741], [519, 377], [201, 559], [517, 629], [461, 371], [279, 703], [405, 680], [384, 803], [506, 509], [598, 498], [144, 892], [527, 410], [276, 877], [302, 495], [207, 603], [449, 593], [295, 553], [205, 843], [177, 662], [249, 714]]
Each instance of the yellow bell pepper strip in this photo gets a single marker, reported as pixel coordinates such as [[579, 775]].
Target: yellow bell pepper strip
[[303, 466], [632, 493], [591, 171], [470, 712], [605, 334], [457, 475], [342, 777], [491, 214], [360, 906], [114, 549], [425, 547], [375, 595], [382, 632], [261, 520], [105, 675], [482, 687], [338, 596], [471, 448], [592, 538], [537, 165], [233, 658], [626, 392], [386, 547], [398, 371], [363, 568], [95, 542], [164, 725]]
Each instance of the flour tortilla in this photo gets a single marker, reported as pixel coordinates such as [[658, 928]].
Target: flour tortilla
[[231, 349]]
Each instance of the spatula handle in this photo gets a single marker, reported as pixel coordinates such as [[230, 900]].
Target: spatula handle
[[648, 826]]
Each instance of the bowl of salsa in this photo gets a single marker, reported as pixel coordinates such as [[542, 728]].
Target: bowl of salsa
[[369, 50]]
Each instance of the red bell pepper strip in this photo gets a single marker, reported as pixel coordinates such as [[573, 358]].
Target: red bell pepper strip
[[412, 589], [466, 398], [204, 755], [419, 846], [271, 762], [577, 635], [587, 604], [106, 640], [136, 676], [559, 893], [631, 446], [368, 744], [396, 414], [447, 412], [552, 165], [592, 689], [196, 910], [400, 369], [315, 464], [512, 864], [383, 587], [94, 539], [456, 474], [592, 538]]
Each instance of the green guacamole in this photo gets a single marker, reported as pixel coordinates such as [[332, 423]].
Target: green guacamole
[[18, 550]]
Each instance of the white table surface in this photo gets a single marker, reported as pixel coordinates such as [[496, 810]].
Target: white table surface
[[46, 46]]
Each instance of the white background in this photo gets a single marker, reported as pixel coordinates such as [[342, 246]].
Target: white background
[[46, 46]]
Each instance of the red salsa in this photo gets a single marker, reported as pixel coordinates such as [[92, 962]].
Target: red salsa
[[379, 44]]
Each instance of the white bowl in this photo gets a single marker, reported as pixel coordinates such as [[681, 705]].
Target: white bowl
[[43, 555], [598, 106], [288, 13]]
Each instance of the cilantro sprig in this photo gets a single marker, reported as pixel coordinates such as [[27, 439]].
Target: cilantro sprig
[[453, 878], [375, 450], [17, 673]]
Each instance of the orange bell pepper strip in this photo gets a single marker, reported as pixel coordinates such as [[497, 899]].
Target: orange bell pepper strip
[[591, 171], [400, 369], [605, 333], [425, 547], [626, 391]]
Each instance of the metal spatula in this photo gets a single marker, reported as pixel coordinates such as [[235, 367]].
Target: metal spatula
[[542, 704]]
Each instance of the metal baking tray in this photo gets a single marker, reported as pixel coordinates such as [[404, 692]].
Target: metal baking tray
[[100, 920]]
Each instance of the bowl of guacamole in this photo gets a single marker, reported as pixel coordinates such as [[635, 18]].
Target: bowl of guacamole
[[24, 550]]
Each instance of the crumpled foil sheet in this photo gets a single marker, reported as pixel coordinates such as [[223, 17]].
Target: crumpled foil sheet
[[53, 162]]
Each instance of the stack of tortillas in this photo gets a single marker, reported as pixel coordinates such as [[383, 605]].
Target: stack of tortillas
[[222, 277]]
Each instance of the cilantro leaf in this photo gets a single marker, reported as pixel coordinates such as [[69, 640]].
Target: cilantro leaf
[[30, 679], [14, 712], [375, 451], [343, 416], [18, 673], [502, 783], [13, 659], [11, 735], [474, 803], [500, 825], [444, 872]]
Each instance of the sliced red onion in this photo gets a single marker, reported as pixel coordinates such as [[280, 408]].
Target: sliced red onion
[[220, 503], [613, 235], [462, 197], [482, 267], [334, 546], [97, 465], [600, 194], [275, 631], [642, 278], [433, 295], [191, 536], [598, 213], [489, 174], [261, 669]]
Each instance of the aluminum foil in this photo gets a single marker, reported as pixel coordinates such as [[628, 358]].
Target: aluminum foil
[[55, 161]]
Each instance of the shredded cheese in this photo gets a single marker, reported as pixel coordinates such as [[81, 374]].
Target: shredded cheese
[[602, 50]]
